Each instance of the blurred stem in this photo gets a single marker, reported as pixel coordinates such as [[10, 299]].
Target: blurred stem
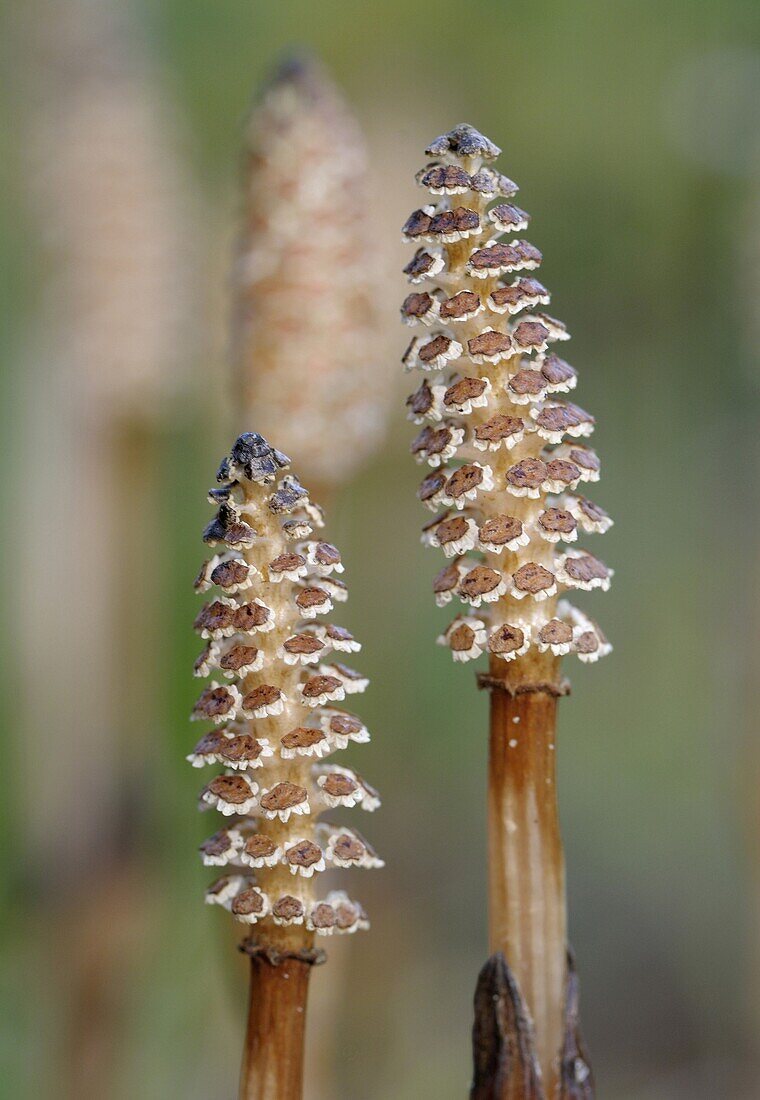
[[272, 1066], [527, 909]]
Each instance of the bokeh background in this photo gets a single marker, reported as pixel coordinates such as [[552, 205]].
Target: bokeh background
[[633, 130]]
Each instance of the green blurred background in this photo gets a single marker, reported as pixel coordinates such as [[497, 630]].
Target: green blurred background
[[633, 130]]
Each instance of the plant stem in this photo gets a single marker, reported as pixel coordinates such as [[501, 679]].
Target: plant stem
[[272, 1066], [527, 909]]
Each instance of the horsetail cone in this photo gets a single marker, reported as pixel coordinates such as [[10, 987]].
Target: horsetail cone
[[278, 682], [497, 430], [508, 466]]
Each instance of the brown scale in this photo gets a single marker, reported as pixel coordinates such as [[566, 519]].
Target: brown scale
[[480, 580], [420, 264], [345, 725], [320, 685], [498, 427], [248, 902], [421, 401], [417, 305], [311, 597], [238, 657], [229, 573], [439, 345], [513, 295], [448, 579], [448, 176], [490, 343], [431, 441], [506, 639], [327, 554], [287, 563], [466, 389], [451, 530], [263, 695], [259, 846], [349, 849], [217, 845], [464, 480], [533, 578], [210, 743], [338, 785], [499, 530], [527, 383], [557, 521], [591, 510], [214, 617], [529, 335], [239, 749], [556, 632], [586, 568], [459, 305], [302, 737], [461, 639], [231, 788], [283, 796], [303, 645], [305, 853], [214, 702], [250, 616], [556, 370]]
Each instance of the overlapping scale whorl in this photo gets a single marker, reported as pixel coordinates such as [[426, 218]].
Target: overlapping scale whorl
[[505, 447], [278, 685]]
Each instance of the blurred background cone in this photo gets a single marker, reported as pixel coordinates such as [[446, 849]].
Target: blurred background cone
[[309, 368]]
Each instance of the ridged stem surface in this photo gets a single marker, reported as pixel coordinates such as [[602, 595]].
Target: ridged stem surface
[[527, 910], [272, 1066]]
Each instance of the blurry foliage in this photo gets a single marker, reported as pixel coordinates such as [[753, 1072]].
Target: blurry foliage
[[641, 245]]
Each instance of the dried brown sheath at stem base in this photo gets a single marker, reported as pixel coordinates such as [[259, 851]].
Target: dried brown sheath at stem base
[[276, 704], [304, 288], [503, 1042], [508, 463]]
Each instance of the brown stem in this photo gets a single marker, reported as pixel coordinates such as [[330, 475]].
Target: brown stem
[[272, 1066], [527, 914]]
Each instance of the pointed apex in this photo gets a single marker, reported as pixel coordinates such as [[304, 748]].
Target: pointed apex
[[463, 141], [299, 88], [301, 70], [254, 458]]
